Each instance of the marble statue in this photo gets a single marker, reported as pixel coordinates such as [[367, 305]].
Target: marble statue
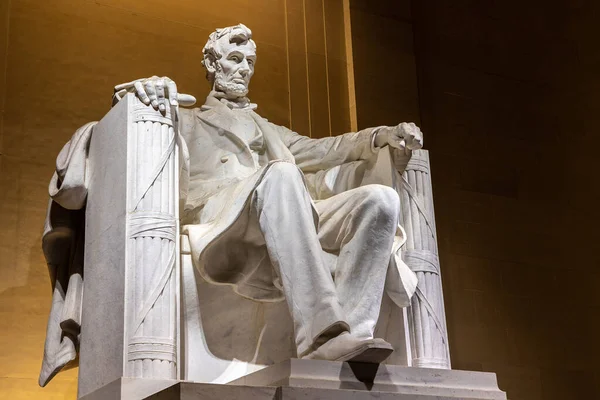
[[256, 222], [274, 215]]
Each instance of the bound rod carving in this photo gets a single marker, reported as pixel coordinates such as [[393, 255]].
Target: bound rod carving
[[153, 232], [427, 319]]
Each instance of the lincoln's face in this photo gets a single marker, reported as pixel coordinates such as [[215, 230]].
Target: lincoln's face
[[235, 68]]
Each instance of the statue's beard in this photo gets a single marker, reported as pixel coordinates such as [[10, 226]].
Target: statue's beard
[[232, 90]]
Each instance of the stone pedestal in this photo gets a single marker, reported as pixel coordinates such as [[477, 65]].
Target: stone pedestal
[[378, 378], [316, 380]]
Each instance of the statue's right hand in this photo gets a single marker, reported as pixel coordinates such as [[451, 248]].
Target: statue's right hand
[[156, 91]]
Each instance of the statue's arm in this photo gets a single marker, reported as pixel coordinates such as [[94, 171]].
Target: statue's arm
[[312, 155]]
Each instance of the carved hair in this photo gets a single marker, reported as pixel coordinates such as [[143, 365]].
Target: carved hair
[[239, 34]]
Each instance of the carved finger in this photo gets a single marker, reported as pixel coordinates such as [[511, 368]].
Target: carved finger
[[403, 129], [186, 100], [414, 144], [141, 93], [395, 138], [160, 95], [126, 86], [151, 91], [172, 91]]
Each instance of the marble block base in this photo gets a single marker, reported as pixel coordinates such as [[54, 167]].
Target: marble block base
[[402, 382], [129, 389], [317, 380], [203, 391]]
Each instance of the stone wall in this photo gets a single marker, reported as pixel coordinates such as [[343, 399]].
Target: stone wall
[[508, 99], [59, 60], [384, 62]]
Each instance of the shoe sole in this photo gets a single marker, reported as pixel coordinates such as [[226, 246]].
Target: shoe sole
[[372, 353]]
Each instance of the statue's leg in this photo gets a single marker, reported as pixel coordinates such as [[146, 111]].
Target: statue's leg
[[360, 224], [286, 218]]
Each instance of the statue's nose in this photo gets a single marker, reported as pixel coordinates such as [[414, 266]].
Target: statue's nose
[[244, 68]]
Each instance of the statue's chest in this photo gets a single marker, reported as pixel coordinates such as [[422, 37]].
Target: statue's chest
[[244, 127]]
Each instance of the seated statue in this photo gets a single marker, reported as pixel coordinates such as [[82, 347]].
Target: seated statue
[[277, 215]]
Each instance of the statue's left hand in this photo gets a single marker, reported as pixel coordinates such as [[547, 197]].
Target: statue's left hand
[[405, 135]]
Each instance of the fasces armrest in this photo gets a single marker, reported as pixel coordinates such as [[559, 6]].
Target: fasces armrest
[[427, 319], [131, 251]]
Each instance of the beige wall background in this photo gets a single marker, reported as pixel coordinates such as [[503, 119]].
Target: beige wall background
[[59, 60]]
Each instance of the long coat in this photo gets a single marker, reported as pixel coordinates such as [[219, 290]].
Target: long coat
[[220, 187], [216, 185]]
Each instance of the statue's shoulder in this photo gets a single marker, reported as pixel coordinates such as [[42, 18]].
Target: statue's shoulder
[[258, 116], [187, 113], [191, 115], [188, 124]]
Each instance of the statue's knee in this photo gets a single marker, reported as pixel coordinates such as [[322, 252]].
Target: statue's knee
[[284, 172], [384, 199]]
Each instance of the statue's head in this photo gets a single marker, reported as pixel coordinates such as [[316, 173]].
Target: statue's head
[[229, 57]]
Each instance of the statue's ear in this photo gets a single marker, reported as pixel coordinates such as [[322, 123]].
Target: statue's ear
[[210, 63]]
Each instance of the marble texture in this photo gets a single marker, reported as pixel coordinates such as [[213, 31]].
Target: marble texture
[[316, 380], [103, 325], [129, 313], [258, 180], [130, 389], [189, 391], [153, 236], [427, 318], [130, 307], [377, 378]]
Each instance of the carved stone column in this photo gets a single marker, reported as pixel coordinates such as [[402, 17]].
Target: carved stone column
[[426, 315], [130, 310], [153, 227]]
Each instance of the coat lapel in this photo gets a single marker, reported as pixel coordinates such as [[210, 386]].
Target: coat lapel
[[221, 118], [276, 149]]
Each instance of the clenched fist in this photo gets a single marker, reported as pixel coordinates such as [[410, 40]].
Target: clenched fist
[[405, 135]]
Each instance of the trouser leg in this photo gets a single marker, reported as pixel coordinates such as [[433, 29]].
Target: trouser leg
[[360, 224], [285, 215]]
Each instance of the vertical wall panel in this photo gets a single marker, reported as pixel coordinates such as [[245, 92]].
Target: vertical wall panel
[[317, 68], [385, 74], [337, 67], [297, 64], [4, 9]]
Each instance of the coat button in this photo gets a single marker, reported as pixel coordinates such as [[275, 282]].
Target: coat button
[[224, 159], [221, 131]]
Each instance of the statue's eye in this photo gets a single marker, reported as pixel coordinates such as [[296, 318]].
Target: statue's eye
[[235, 59], [250, 62]]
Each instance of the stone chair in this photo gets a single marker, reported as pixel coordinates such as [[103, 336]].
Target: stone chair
[[149, 320]]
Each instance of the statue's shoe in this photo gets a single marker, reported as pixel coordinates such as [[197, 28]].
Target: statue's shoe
[[345, 347]]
